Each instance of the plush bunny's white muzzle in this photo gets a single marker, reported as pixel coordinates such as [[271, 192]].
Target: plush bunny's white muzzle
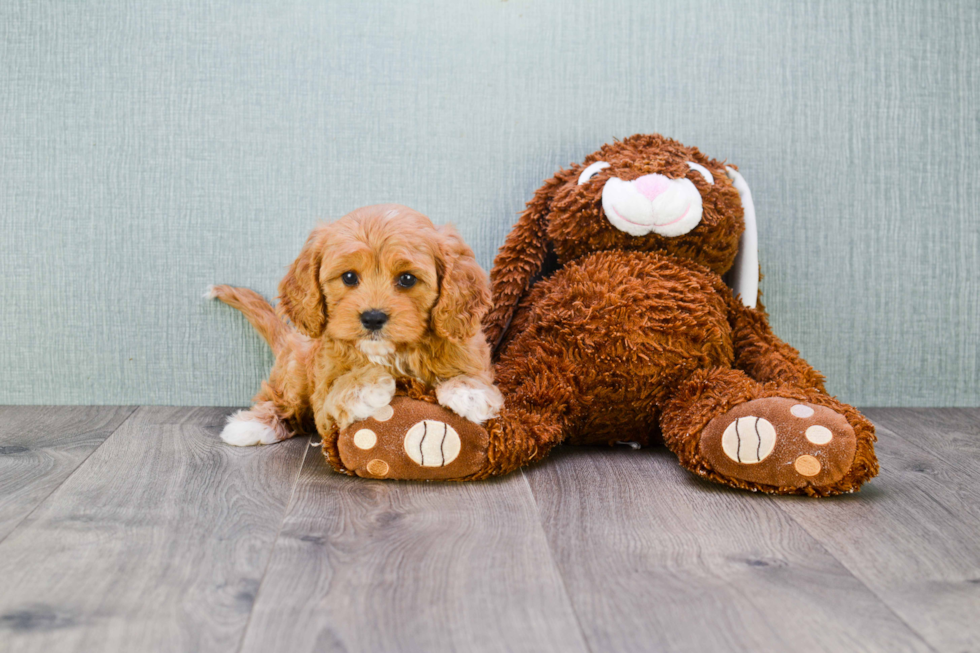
[[652, 203]]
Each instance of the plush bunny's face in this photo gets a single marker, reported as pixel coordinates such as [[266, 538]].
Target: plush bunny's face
[[647, 193]]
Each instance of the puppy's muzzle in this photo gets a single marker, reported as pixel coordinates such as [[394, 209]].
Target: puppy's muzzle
[[374, 319]]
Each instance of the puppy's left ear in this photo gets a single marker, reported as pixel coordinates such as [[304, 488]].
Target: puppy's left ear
[[464, 289], [300, 296]]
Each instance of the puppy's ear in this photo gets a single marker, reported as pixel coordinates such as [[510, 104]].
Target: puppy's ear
[[519, 262], [464, 291], [300, 295]]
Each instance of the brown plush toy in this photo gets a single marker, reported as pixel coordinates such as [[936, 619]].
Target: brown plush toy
[[612, 323]]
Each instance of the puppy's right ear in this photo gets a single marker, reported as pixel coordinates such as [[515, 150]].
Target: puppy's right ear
[[300, 295], [519, 262]]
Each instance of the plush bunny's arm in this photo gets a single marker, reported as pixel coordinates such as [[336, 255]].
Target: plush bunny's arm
[[518, 263], [763, 356]]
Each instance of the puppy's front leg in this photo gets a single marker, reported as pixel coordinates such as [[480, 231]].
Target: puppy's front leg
[[358, 395], [473, 398]]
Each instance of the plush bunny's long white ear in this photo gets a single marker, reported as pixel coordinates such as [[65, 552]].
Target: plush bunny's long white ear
[[744, 275]]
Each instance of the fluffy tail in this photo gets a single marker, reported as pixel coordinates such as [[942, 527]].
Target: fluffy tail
[[257, 310]]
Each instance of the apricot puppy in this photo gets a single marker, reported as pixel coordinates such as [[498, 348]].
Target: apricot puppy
[[377, 294]]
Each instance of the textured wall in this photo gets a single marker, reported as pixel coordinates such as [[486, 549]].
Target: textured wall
[[150, 149]]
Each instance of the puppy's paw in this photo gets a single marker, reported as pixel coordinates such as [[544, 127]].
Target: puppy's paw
[[368, 399], [244, 430], [470, 398]]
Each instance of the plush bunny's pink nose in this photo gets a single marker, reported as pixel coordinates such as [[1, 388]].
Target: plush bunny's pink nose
[[651, 185]]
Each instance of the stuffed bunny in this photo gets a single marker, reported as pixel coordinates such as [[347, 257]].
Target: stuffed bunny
[[613, 322]]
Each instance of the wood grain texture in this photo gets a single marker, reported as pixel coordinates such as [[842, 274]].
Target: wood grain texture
[[655, 559], [41, 446], [912, 534], [950, 434], [165, 539], [158, 541], [382, 566]]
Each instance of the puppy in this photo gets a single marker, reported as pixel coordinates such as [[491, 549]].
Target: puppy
[[378, 294]]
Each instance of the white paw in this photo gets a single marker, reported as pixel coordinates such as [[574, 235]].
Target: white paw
[[210, 293], [470, 398], [243, 431], [368, 399]]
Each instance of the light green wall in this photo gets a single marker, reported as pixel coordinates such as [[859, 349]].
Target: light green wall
[[152, 148]]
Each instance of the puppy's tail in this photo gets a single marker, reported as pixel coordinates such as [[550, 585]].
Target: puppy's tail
[[257, 310]]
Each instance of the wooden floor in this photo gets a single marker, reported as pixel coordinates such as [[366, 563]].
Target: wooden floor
[[127, 529]]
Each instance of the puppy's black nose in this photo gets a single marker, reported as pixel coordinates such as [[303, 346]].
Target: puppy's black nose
[[373, 319]]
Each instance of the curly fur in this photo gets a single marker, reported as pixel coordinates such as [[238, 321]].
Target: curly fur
[[330, 370], [602, 336]]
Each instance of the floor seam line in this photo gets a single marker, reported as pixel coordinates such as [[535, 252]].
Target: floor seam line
[[71, 474], [551, 556], [850, 571], [915, 445], [275, 542]]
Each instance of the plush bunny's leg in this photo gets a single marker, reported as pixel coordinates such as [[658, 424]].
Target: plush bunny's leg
[[731, 429], [417, 439], [413, 438]]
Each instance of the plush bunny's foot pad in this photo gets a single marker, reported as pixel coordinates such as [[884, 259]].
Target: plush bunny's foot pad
[[780, 442], [414, 440]]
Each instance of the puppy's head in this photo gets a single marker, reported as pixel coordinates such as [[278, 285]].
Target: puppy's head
[[385, 274]]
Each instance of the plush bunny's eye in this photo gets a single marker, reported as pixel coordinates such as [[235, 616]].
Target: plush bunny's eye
[[708, 177], [592, 171]]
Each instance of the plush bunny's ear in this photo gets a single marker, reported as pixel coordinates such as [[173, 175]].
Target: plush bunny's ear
[[518, 263], [744, 275]]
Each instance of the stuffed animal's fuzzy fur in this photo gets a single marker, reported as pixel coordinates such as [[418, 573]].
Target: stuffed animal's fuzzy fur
[[612, 322]]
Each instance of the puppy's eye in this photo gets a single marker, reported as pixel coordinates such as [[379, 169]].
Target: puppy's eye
[[349, 278], [406, 280], [592, 171], [704, 172]]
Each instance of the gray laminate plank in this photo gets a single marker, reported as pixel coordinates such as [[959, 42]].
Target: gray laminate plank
[[654, 558], [40, 446], [913, 534], [366, 565], [157, 542], [950, 434]]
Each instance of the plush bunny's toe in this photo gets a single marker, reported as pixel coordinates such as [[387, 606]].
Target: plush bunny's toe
[[413, 440], [780, 442]]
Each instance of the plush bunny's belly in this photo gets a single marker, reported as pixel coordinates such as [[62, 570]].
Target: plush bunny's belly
[[613, 333]]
